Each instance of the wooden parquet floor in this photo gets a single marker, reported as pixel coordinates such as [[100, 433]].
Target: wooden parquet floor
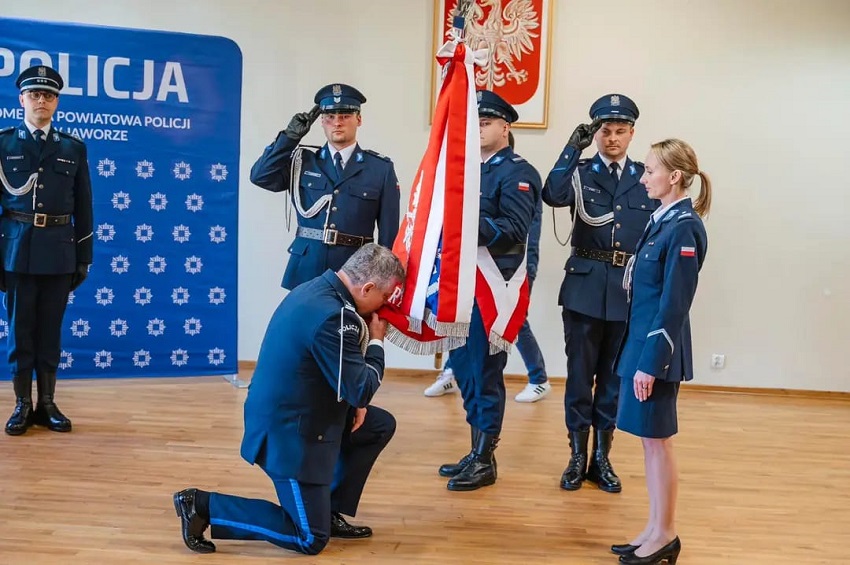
[[764, 480]]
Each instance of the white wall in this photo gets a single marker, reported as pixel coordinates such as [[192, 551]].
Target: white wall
[[759, 87]]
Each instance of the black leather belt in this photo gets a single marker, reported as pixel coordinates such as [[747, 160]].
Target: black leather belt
[[515, 249], [333, 237], [38, 220], [616, 258]]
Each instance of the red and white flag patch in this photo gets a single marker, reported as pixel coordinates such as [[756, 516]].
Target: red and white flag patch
[[524, 186], [688, 252]]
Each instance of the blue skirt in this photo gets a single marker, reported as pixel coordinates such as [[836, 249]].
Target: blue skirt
[[655, 418]]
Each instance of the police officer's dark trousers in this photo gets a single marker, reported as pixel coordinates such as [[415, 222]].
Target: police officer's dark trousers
[[36, 306], [480, 377], [302, 521], [591, 347]]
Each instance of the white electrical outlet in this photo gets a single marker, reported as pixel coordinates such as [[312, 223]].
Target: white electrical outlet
[[718, 361]]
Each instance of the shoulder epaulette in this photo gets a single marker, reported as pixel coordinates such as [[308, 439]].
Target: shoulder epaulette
[[378, 155], [70, 136], [518, 159], [7, 129], [685, 216]]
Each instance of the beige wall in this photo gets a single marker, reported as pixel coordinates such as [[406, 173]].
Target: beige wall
[[761, 88]]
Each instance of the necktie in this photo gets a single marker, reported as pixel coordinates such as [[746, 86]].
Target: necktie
[[614, 167], [39, 138], [338, 164]]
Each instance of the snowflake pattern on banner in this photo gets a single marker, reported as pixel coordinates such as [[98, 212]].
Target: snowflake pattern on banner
[[160, 298]]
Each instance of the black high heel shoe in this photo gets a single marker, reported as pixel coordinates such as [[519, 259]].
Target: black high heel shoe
[[623, 548], [669, 553]]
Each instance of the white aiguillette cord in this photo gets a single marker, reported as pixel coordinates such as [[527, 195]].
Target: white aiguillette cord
[[578, 208], [26, 187]]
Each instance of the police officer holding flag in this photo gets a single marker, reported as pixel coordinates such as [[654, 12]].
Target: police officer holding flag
[[340, 192], [610, 210], [45, 241], [510, 188]]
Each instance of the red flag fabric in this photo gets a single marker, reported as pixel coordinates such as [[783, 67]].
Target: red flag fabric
[[437, 242]]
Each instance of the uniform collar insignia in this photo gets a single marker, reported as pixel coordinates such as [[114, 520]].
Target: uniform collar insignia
[[595, 167], [56, 137], [22, 134], [632, 170], [359, 157]]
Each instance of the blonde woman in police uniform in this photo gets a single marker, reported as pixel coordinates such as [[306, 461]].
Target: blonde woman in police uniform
[[656, 353]]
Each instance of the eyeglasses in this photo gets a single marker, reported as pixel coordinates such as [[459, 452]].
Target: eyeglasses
[[39, 94]]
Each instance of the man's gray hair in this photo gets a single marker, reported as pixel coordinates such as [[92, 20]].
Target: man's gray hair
[[374, 263]]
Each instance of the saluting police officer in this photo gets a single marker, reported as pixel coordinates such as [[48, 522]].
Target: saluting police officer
[[46, 243], [510, 187], [610, 210], [340, 192]]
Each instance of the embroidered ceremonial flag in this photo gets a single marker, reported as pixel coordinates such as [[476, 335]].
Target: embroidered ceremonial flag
[[438, 239]]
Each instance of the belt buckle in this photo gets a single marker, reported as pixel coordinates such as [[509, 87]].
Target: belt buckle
[[329, 237], [40, 220], [619, 259]]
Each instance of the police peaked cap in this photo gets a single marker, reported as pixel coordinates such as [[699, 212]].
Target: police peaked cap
[[491, 104], [40, 77], [339, 98], [616, 108]]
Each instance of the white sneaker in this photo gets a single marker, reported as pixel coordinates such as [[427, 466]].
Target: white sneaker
[[444, 384], [533, 393]]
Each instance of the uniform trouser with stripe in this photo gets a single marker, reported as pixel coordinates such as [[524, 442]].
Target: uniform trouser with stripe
[[36, 305], [481, 378], [301, 522], [591, 347]]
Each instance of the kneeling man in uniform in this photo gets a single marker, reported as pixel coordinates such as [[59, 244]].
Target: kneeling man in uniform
[[308, 423]]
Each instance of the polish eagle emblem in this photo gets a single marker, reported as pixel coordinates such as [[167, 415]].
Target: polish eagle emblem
[[507, 34]]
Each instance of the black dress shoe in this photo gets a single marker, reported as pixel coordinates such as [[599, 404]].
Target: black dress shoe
[[623, 548], [21, 419], [47, 414], [668, 553], [342, 529], [192, 525]]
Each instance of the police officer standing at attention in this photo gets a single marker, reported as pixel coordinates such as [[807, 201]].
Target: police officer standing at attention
[[610, 210], [307, 424], [340, 192], [46, 243], [510, 187]]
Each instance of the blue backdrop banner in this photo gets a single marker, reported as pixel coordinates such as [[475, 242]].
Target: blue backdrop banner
[[159, 113]]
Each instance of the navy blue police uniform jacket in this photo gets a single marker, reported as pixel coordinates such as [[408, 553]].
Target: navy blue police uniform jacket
[[63, 188], [367, 195], [591, 287], [303, 386], [510, 189], [664, 281]]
